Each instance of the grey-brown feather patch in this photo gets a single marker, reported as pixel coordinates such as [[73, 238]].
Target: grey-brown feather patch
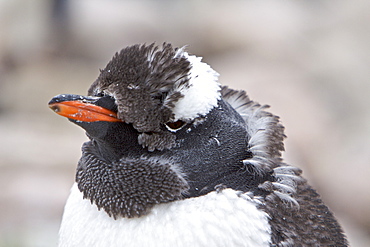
[[157, 141], [129, 187], [310, 224]]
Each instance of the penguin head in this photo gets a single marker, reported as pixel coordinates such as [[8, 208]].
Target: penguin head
[[162, 128]]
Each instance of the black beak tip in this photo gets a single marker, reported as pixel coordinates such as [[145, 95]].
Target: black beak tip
[[71, 97], [62, 97]]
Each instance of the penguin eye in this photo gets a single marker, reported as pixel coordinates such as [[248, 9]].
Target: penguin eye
[[173, 126]]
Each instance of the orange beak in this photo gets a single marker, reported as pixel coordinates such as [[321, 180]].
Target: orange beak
[[81, 110]]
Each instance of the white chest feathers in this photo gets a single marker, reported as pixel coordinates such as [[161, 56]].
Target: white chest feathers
[[216, 219]]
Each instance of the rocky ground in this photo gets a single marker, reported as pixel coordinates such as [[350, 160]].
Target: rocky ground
[[309, 60]]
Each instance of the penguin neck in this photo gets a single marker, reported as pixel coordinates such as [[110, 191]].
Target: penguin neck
[[211, 154]]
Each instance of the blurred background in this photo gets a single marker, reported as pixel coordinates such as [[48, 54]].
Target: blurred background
[[308, 59]]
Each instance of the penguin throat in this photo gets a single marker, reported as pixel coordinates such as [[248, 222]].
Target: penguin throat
[[128, 187]]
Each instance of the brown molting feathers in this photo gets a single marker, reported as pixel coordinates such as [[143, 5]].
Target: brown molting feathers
[[144, 81]]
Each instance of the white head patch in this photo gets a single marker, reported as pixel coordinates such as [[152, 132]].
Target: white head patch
[[202, 93]]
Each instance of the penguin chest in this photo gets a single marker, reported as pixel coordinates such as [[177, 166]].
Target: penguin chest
[[223, 218]]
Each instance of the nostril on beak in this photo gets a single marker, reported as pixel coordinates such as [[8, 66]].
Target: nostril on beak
[[55, 108]]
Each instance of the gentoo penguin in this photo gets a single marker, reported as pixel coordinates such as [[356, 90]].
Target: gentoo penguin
[[176, 159]]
